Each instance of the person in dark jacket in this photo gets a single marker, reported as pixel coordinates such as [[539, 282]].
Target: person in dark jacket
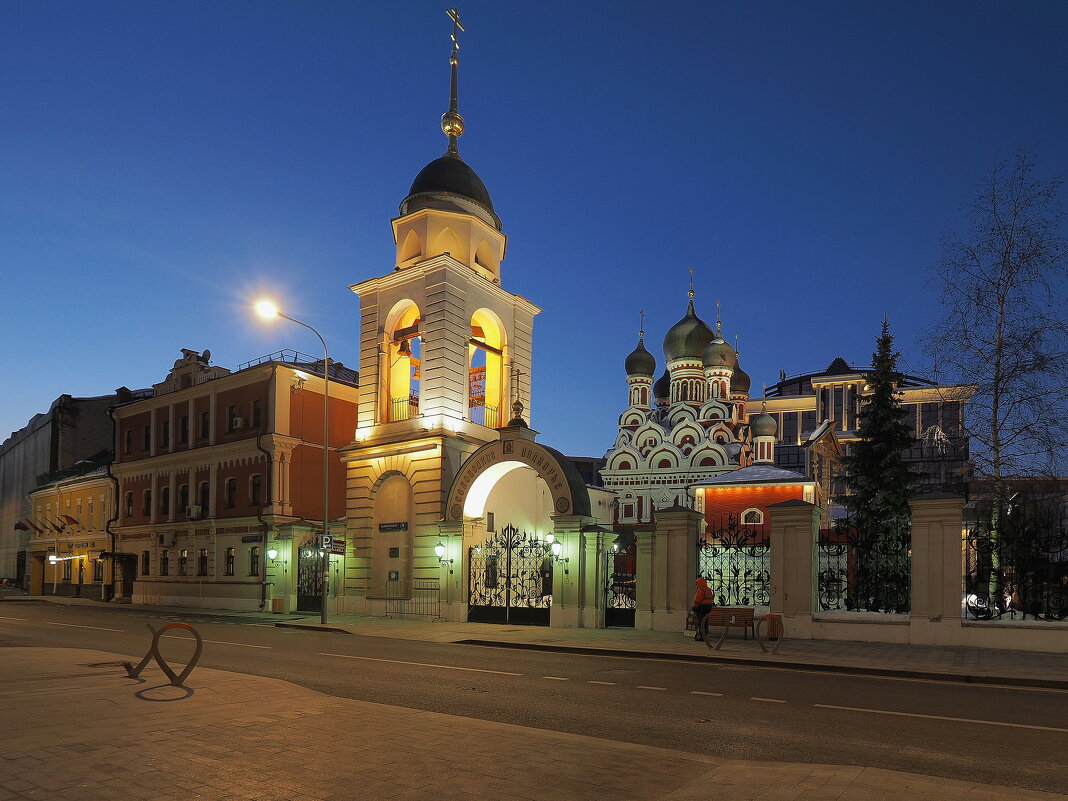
[[703, 602]]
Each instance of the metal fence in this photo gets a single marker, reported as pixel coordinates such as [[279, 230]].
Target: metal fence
[[1016, 564], [864, 571], [735, 559], [404, 408], [413, 597]]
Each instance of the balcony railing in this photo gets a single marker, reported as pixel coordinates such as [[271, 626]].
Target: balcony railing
[[404, 408], [484, 415]]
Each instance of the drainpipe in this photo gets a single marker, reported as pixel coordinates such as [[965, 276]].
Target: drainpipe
[[117, 504]]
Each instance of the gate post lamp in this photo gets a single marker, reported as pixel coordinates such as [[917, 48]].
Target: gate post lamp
[[268, 311]]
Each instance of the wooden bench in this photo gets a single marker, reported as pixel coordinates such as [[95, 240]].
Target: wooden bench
[[728, 617]]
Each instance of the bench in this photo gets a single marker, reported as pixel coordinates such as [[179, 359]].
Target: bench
[[729, 617]]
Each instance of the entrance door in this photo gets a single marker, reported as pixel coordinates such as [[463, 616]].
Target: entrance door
[[309, 579], [620, 599], [511, 579]]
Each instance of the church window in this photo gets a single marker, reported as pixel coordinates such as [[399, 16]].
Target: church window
[[752, 517], [708, 461]]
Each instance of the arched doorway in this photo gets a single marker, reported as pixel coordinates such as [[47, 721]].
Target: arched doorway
[[508, 497]]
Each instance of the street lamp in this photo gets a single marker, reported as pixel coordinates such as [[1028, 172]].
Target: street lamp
[[268, 311]]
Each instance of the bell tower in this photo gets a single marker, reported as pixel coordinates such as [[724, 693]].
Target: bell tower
[[444, 350]]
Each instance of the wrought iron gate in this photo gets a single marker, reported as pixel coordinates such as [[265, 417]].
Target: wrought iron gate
[[735, 559], [309, 579], [620, 599], [511, 579]]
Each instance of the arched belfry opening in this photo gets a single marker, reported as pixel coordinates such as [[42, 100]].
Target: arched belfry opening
[[402, 351], [486, 358]]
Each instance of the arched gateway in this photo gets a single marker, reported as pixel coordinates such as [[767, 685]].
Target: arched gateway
[[518, 508]]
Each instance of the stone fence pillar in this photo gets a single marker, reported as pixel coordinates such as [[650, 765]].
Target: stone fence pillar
[[674, 566], [937, 569], [795, 529]]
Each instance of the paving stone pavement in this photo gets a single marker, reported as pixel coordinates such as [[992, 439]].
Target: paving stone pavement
[[77, 729]]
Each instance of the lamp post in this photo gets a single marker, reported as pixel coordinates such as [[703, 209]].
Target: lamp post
[[268, 311]]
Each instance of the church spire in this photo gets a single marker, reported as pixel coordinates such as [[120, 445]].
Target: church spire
[[452, 124]]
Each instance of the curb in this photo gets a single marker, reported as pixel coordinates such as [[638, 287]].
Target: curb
[[959, 678], [310, 627]]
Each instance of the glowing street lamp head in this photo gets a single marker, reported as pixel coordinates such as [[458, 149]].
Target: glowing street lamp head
[[266, 309]]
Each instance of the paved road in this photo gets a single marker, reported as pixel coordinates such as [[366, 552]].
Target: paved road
[[1017, 737]]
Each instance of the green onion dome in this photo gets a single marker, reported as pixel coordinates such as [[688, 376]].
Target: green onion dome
[[763, 425], [740, 380], [719, 354], [688, 337]]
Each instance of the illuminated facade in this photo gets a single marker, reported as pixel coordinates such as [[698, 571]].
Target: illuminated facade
[[803, 404], [68, 537], [215, 470]]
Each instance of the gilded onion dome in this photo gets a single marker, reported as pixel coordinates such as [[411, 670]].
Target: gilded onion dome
[[688, 337], [640, 361], [763, 425], [719, 354], [740, 380]]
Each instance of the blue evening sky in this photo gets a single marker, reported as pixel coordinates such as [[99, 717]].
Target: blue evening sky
[[164, 163]]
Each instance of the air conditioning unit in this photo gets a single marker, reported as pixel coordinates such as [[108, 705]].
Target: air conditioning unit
[[168, 539], [239, 422], [192, 512]]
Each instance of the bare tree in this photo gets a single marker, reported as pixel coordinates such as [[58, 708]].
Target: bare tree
[[1004, 326]]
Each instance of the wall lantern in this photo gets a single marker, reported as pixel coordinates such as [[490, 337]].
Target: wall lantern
[[272, 553], [439, 551], [557, 549]]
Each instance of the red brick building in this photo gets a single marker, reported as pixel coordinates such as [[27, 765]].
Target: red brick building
[[218, 470]]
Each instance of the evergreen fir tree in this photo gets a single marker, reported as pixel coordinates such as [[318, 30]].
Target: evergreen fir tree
[[881, 484]]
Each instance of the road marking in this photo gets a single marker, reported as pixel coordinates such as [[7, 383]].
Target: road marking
[[76, 626], [214, 642], [702, 692], [647, 687], [14, 618], [604, 683], [942, 717], [422, 664], [768, 700], [556, 678]]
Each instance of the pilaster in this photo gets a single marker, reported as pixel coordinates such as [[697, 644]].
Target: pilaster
[[937, 569]]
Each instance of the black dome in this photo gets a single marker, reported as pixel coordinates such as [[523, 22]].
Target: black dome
[[451, 175], [640, 361]]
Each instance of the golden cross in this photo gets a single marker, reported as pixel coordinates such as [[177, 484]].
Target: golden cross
[[454, 14], [691, 282], [641, 325], [515, 374]]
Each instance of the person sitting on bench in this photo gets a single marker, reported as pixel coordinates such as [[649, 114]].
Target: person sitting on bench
[[703, 603]]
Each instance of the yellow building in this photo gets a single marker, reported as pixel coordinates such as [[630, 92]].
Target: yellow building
[[68, 535]]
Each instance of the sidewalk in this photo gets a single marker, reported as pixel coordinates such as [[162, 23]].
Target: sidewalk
[[944, 663], [82, 731]]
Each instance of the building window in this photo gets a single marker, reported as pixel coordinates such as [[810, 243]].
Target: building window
[[67, 563], [165, 434], [205, 496], [98, 570], [146, 563], [146, 502], [164, 563], [256, 490], [230, 493], [127, 446], [129, 504], [89, 514], [229, 562], [183, 429], [752, 517], [205, 425], [165, 500], [183, 497], [231, 418], [254, 560], [202, 562], [257, 413], [183, 562]]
